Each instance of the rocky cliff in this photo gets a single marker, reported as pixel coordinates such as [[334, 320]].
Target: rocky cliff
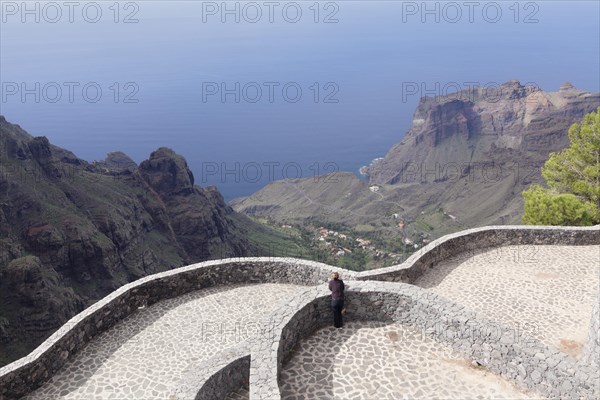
[[73, 231], [463, 163], [511, 123]]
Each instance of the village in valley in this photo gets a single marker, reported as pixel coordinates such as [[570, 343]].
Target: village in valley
[[354, 250]]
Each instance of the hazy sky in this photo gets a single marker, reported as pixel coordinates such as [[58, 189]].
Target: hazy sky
[[179, 55]]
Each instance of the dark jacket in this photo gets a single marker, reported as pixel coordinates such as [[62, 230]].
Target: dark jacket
[[337, 289]]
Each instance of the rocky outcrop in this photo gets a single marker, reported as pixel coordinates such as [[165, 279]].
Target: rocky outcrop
[[194, 213], [167, 173], [116, 162], [72, 231]]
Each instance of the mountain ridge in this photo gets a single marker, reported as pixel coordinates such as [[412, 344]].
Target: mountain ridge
[[72, 231]]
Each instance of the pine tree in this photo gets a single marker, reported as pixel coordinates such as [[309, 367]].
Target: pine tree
[[573, 179]]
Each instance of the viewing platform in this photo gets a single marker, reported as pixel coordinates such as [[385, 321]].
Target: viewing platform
[[516, 319]]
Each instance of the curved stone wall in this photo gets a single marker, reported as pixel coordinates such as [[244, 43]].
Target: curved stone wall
[[474, 240], [28, 373], [515, 355], [203, 383]]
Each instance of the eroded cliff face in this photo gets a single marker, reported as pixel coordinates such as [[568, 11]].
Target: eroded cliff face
[[508, 124], [72, 231]]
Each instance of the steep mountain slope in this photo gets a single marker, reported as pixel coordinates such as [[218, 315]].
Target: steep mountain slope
[[463, 163], [71, 231], [512, 123]]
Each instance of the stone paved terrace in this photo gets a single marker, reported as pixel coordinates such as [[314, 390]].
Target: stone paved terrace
[[547, 290], [201, 326], [382, 361], [148, 353]]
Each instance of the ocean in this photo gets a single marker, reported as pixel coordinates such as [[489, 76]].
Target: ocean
[[249, 92]]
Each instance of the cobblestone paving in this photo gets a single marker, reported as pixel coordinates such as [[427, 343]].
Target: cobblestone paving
[[547, 290], [377, 361], [240, 394], [145, 355]]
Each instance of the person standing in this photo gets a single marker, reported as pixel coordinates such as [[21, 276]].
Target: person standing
[[336, 285]]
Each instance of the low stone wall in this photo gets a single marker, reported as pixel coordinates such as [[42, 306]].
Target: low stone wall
[[286, 326], [28, 373], [591, 349], [234, 376], [216, 377], [476, 240], [515, 355]]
